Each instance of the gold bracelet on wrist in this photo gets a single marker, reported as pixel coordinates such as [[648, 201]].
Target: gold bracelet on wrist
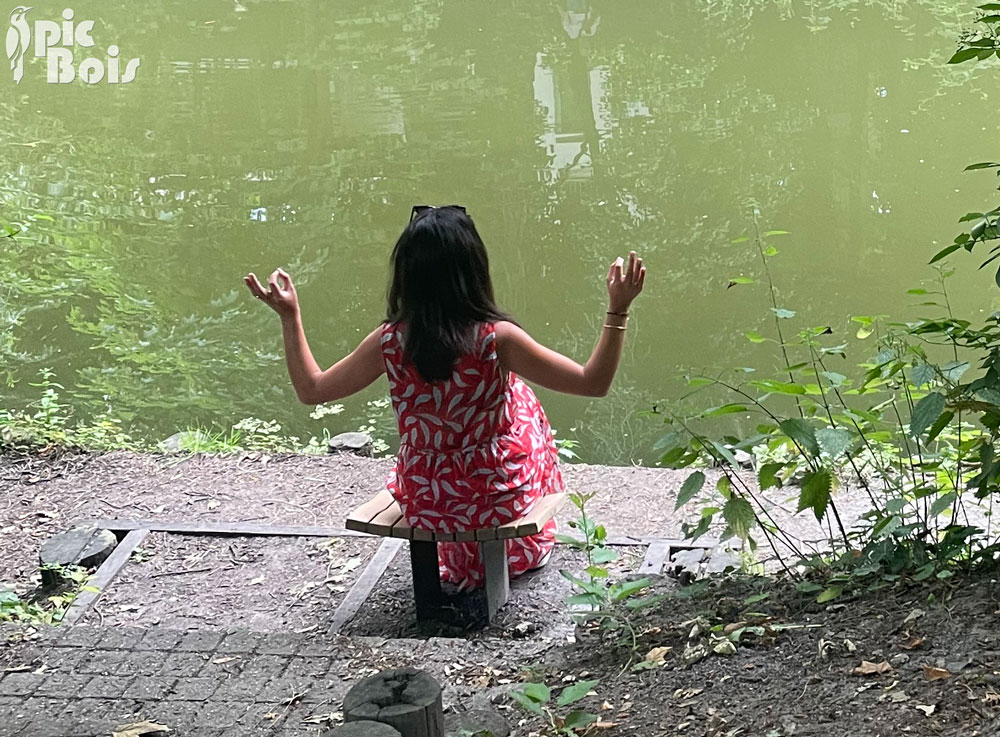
[[615, 327]]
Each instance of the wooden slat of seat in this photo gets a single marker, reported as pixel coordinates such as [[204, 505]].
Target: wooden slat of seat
[[466, 536], [535, 520], [383, 516], [385, 523], [531, 524]]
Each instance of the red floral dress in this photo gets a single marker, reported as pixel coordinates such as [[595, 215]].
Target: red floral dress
[[476, 450]]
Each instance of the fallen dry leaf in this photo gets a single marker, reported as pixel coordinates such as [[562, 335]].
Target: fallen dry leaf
[[927, 709], [913, 643], [138, 729], [992, 697], [867, 668], [935, 674], [604, 725], [657, 655]]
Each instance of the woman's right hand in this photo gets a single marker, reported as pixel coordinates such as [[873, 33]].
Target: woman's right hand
[[624, 284], [280, 295]]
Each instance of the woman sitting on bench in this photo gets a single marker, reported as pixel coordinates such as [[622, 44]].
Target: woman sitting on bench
[[476, 449]]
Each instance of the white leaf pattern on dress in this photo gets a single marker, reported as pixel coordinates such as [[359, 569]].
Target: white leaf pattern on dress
[[472, 457]]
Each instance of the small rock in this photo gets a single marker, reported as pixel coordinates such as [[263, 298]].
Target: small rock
[[743, 458], [523, 629], [725, 647], [183, 440], [358, 443], [899, 659], [694, 653], [87, 547]]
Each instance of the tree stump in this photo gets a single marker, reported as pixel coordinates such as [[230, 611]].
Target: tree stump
[[406, 698], [82, 546], [363, 729]]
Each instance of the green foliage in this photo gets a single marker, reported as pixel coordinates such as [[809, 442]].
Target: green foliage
[[598, 600], [48, 423], [979, 44], [47, 609], [536, 698], [914, 427]]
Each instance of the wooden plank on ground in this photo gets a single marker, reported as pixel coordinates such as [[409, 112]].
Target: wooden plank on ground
[[365, 583], [252, 529], [656, 555], [105, 574], [221, 529]]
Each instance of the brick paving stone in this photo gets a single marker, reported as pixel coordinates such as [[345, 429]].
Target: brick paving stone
[[13, 719], [141, 664], [160, 639], [20, 684], [264, 667], [101, 662], [193, 689], [80, 636], [65, 685], [183, 665], [66, 659], [47, 718], [238, 688], [309, 667], [240, 642], [279, 643], [180, 716], [221, 715], [149, 688], [120, 638], [199, 642], [108, 710], [278, 689], [105, 687]]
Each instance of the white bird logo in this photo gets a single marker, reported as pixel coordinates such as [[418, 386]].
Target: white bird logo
[[18, 40]]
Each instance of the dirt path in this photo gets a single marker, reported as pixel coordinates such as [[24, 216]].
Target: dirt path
[[39, 498]]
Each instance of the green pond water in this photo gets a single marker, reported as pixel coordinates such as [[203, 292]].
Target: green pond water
[[299, 134]]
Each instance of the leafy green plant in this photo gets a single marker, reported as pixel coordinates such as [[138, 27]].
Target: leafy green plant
[[599, 600], [536, 698], [907, 430], [48, 609], [47, 422], [976, 45]]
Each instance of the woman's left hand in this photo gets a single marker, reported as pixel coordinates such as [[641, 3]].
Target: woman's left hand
[[280, 295]]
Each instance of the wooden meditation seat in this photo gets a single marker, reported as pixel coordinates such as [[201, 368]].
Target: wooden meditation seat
[[382, 516]]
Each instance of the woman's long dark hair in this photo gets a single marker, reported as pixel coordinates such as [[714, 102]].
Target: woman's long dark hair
[[440, 289]]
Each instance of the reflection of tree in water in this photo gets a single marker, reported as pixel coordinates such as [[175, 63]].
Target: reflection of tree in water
[[330, 122]]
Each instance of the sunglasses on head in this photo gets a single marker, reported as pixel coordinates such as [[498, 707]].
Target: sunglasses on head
[[421, 209]]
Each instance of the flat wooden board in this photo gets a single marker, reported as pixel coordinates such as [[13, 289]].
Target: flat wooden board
[[383, 516], [104, 575], [359, 592]]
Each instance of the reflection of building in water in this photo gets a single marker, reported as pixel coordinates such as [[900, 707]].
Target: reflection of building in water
[[577, 116]]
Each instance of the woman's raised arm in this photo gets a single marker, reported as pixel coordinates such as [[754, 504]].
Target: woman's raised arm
[[520, 353], [313, 385]]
